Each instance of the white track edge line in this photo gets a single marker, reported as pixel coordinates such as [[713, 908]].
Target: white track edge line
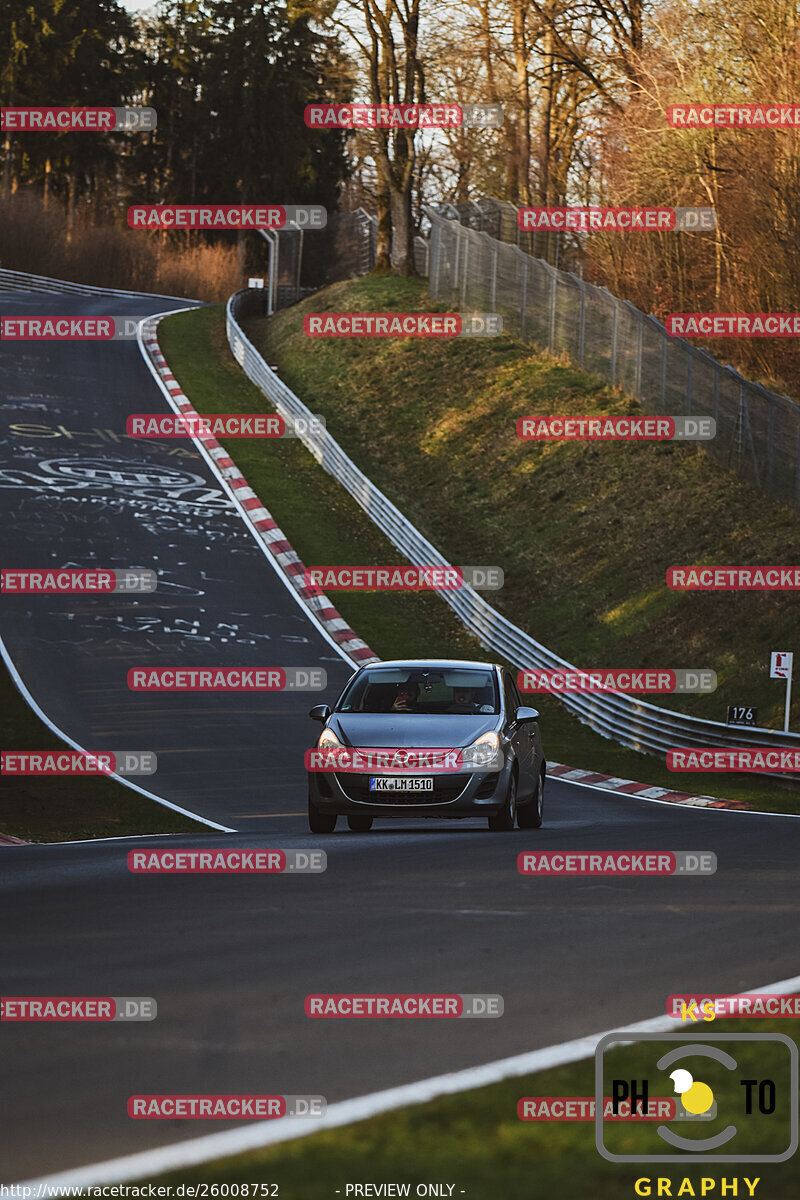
[[17, 678], [259, 1134], [231, 492]]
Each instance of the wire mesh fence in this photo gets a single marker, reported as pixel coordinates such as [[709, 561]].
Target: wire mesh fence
[[758, 431]]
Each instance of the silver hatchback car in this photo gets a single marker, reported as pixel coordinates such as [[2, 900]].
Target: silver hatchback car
[[418, 705]]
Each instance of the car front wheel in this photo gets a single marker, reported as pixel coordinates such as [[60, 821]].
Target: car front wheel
[[359, 823], [532, 815], [320, 822], [503, 821]]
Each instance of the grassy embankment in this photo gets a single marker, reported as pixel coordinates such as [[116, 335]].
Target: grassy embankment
[[475, 1140], [583, 532]]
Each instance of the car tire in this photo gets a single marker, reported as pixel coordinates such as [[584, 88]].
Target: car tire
[[503, 821], [360, 823], [320, 822], [532, 815]]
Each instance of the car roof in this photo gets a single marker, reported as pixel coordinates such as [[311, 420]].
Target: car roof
[[416, 664]]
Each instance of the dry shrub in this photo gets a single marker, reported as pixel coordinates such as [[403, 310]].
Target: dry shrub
[[34, 238]]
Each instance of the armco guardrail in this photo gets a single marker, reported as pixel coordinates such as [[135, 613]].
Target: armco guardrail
[[21, 281], [625, 719]]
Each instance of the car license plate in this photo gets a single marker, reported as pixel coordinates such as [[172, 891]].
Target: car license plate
[[401, 783]]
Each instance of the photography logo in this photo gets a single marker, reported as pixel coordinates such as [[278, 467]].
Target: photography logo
[[726, 1112]]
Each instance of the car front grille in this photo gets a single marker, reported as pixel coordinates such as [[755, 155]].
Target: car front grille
[[446, 788]]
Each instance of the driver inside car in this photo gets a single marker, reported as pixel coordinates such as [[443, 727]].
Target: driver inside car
[[464, 700], [406, 698]]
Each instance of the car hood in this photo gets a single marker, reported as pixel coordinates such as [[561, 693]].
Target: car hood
[[406, 729]]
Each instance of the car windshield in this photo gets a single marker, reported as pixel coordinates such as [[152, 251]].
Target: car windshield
[[452, 691]]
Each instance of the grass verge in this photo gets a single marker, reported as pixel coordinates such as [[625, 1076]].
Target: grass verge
[[475, 1141], [394, 432], [68, 808]]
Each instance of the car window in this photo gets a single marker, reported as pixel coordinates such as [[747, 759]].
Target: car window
[[451, 691], [511, 696]]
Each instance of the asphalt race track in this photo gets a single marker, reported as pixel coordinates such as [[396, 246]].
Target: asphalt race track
[[412, 906], [75, 491]]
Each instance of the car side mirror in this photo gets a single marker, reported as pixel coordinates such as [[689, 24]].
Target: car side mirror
[[320, 712], [526, 714]]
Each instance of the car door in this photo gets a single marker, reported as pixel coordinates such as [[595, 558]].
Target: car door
[[522, 735]]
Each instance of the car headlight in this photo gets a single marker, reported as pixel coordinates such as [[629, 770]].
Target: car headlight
[[328, 740], [484, 752]]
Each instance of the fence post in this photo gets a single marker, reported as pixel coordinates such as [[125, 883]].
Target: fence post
[[614, 344], [524, 301], [434, 251], [457, 260], [464, 263], [637, 384], [687, 398], [770, 442], [551, 343], [493, 285], [716, 395], [582, 326], [756, 471], [663, 369]]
